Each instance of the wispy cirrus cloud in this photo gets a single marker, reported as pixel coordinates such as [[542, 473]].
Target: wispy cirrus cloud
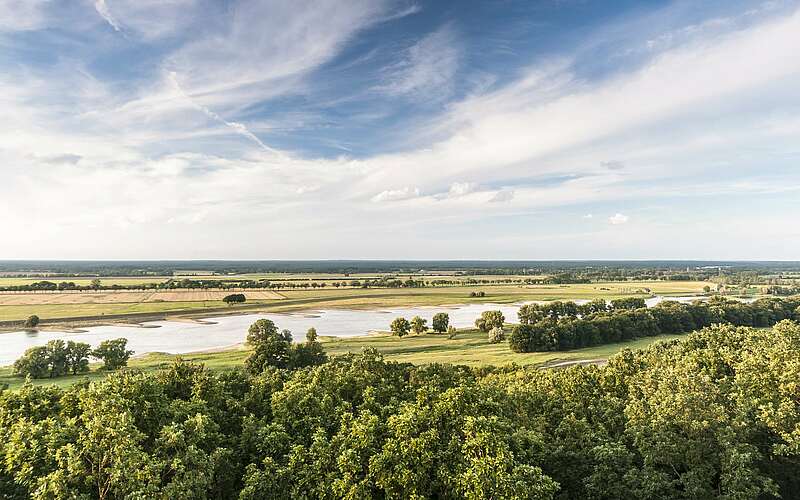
[[191, 138], [102, 8], [426, 69]]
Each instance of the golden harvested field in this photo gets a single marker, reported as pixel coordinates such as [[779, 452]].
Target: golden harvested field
[[118, 297]]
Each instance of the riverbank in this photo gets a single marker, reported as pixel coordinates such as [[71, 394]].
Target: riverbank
[[469, 347], [93, 314]]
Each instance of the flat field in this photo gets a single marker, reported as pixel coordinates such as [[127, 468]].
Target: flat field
[[52, 306], [469, 347], [118, 297]]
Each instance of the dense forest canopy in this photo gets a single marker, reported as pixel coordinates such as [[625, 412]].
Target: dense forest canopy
[[715, 415]]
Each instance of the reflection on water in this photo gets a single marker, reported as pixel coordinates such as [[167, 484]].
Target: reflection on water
[[182, 337]]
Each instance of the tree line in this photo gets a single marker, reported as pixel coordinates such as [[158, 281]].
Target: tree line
[[58, 358], [559, 326], [714, 415]]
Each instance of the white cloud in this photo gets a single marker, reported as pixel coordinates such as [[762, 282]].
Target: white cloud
[[618, 219], [241, 62], [102, 8], [461, 188], [181, 153], [502, 196], [427, 68], [521, 131], [405, 193]]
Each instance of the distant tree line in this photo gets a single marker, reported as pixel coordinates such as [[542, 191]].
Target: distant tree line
[[560, 326]]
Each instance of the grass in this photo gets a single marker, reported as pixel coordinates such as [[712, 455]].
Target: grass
[[58, 311], [469, 347], [361, 298]]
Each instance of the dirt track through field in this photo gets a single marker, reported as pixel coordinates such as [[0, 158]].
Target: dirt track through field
[[111, 297]]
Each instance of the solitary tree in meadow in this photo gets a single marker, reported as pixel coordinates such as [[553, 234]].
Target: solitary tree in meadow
[[440, 322], [113, 353], [400, 327], [418, 325]]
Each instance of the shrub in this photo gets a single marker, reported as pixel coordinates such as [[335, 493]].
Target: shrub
[[496, 335], [32, 321], [451, 332]]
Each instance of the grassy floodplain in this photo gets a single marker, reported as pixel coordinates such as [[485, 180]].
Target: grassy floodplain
[[469, 347], [95, 305]]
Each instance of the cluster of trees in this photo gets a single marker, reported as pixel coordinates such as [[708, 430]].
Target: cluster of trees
[[566, 325], [234, 298], [273, 348], [57, 358], [401, 327], [715, 415], [783, 290]]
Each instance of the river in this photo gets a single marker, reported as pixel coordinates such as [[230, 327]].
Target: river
[[177, 337]]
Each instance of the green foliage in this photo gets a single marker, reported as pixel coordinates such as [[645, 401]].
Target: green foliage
[[35, 363], [32, 321], [489, 320], [451, 332], [274, 349], [55, 359], [558, 326], [418, 325], [270, 347], [715, 415], [78, 357], [113, 353], [311, 334], [400, 327], [628, 303], [497, 335], [440, 322], [234, 298]]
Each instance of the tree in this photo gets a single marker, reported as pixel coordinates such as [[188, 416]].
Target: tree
[[32, 321], [440, 322], [496, 335], [34, 363], [78, 357], [59, 365], [234, 298], [270, 347], [113, 353], [400, 327], [529, 314], [310, 353], [628, 303], [489, 320], [96, 283], [418, 325]]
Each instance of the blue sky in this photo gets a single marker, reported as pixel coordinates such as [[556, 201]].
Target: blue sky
[[406, 129]]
